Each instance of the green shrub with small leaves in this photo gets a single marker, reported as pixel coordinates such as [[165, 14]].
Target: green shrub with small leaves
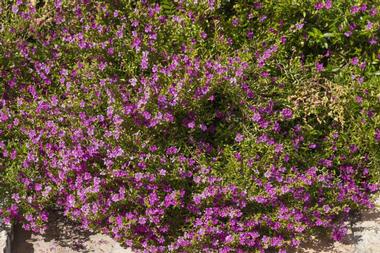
[[190, 125]]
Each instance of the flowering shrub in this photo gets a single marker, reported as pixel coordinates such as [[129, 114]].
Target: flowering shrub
[[191, 125]]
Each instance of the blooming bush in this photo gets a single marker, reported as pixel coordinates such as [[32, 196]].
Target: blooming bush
[[190, 125]]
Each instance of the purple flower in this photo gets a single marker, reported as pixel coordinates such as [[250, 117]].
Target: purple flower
[[144, 60], [319, 67], [299, 26], [372, 41], [287, 113], [171, 150], [38, 187], [276, 241], [373, 11], [369, 25], [256, 117], [278, 148], [239, 137], [203, 127], [262, 18], [147, 115], [136, 42], [235, 22], [355, 61], [377, 135], [355, 9], [353, 148], [153, 148], [312, 146], [326, 208], [228, 238], [191, 124], [339, 233], [14, 9], [237, 155], [70, 201], [348, 34], [3, 116], [319, 6], [250, 34], [328, 4], [283, 39]]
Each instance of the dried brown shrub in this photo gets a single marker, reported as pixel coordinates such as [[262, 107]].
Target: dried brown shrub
[[321, 98]]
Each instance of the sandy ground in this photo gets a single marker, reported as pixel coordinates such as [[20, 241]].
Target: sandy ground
[[64, 237]]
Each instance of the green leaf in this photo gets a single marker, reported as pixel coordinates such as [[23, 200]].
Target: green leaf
[[329, 35]]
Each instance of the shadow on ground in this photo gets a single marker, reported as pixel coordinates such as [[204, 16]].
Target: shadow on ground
[[62, 232], [363, 236]]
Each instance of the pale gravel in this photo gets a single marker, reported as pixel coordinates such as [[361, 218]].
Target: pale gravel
[[64, 237]]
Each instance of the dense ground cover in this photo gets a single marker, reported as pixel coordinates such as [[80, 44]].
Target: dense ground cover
[[190, 125]]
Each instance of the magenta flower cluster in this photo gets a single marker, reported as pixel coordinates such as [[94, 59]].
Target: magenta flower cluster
[[190, 125]]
